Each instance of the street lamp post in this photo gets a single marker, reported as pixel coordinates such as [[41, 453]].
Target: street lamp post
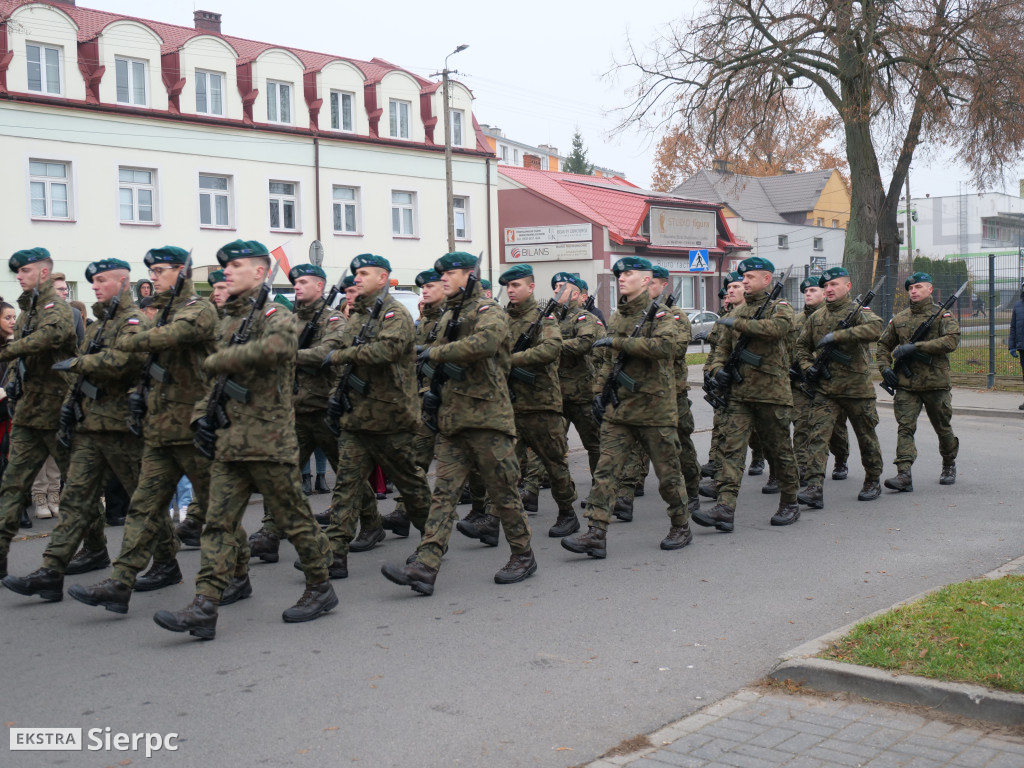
[[449, 196]]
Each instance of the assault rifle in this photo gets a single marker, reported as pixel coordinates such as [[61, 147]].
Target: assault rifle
[[589, 304], [618, 377], [902, 365], [309, 332], [71, 413], [819, 368], [526, 339], [717, 393], [16, 387], [137, 405]]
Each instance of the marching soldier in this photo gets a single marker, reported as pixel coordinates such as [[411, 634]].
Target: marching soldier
[[256, 451], [646, 413], [928, 387], [849, 389], [761, 401], [476, 428], [100, 444], [220, 293]]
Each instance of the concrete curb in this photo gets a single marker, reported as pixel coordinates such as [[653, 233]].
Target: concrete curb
[[974, 701]]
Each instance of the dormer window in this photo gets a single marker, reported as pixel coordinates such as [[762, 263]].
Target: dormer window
[[43, 69], [279, 102], [398, 114], [131, 81]]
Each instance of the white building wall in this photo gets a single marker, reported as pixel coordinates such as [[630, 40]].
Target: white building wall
[[936, 233]]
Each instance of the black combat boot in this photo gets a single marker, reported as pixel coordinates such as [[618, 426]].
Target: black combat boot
[[639, 489], [264, 546], [772, 486], [678, 537], [566, 523], [109, 593], [320, 485], [708, 488], [948, 476], [367, 539], [397, 523], [338, 569], [189, 531], [198, 618], [307, 485], [25, 521], [871, 490], [485, 528], [592, 542], [623, 509], [756, 467], [787, 514], [841, 470], [323, 519], [85, 561], [707, 470], [45, 582], [813, 496], [902, 482], [160, 575], [239, 588], [518, 568], [316, 600], [530, 501], [466, 497], [719, 516], [415, 574]]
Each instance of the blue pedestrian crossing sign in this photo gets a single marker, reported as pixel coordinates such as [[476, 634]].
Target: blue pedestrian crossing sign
[[699, 260]]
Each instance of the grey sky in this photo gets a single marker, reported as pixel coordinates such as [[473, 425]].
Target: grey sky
[[535, 67]]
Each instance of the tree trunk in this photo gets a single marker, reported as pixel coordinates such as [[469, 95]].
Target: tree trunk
[[865, 205]]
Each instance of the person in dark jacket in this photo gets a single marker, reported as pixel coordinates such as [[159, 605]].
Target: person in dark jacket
[[1015, 341]]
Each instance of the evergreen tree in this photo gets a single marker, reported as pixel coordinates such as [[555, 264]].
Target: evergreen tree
[[577, 161]]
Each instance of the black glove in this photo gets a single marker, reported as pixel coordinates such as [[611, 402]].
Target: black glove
[[723, 378], [597, 409], [422, 355], [205, 433], [828, 338], [812, 374], [65, 365], [137, 404], [604, 341], [889, 377], [334, 409], [903, 350], [1014, 353], [67, 417], [796, 375]]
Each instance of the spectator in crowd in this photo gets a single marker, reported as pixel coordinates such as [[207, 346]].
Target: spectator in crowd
[[1015, 341]]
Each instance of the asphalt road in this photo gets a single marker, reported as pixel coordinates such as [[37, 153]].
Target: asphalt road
[[551, 672]]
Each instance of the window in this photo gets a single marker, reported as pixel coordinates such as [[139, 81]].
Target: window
[[398, 112], [346, 201], [49, 186], [43, 69], [279, 102], [819, 244], [403, 209], [821, 222], [209, 93], [682, 288], [131, 81], [136, 192], [341, 111], [214, 201], [835, 223], [460, 205], [456, 125], [783, 241], [544, 163], [504, 153], [515, 156], [282, 205]]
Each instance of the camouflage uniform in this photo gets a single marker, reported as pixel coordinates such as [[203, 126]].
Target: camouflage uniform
[[579, 329], [929, 386], [714, 452], [258, 451]]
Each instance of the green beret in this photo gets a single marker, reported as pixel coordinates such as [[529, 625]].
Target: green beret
[[485, 284], [660, 272], [241, 249], [280, 298], [917, 277], [105, 265], [755, 264], [349, 281], [169, 254], [631, 263], [216, 276], [732, 277], [301, 270], [583, 284], [370, 260], [808, 282], [455, 260], [427, 276], [832, 274], [721, 294], [518, 272], [570, 278], [27, 256]]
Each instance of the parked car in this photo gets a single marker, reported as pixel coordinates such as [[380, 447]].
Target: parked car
[[701, 324]]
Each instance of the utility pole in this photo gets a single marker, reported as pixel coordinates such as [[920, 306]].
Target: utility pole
[[449, 195]]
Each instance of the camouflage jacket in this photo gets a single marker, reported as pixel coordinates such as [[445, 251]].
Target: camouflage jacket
[[179, 347], [679, 367], [112, 371], [478, 398], [264, 428], [649, 365], [540, 360], [713, 338], [799, 321], [579, 329], [766, 338], [942, 338], [429, 319], [382, 388], [313, 380], [52, 339], [850, 362]]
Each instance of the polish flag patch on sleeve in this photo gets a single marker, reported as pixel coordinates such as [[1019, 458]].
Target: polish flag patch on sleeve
[[192, 302], [660, 314], [947, 315], [49, 306], [133, 321], [581, 317], [333, 318], [389, 315], [270, 311], [484, 308]]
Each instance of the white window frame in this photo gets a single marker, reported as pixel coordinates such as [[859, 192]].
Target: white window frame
[[340, 205], [227, 194], [340, 97], [207, 106], [131, 71], [137, 189], [405, 222], [504, 152], [276, 105], [281, 201], [44, 51], [783, 241], [395, 108], [819, 243], [684, 289], [457, 121], [49, 183], [462, 211]]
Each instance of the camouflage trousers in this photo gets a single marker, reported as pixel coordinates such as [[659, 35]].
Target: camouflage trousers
[[422, 455], [715, 453], [638, 465], [906, 407], [493, 455], [94, 457], [838, 442], [358, 452], [231, 485], [770, 421], [578, 413], [823, 415], [617, 442], [544, 433]]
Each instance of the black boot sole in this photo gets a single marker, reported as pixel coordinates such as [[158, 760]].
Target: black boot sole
[[166, 620], [396, 576], [49, 595], [330, 605], [600, 554], [80, 594]]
